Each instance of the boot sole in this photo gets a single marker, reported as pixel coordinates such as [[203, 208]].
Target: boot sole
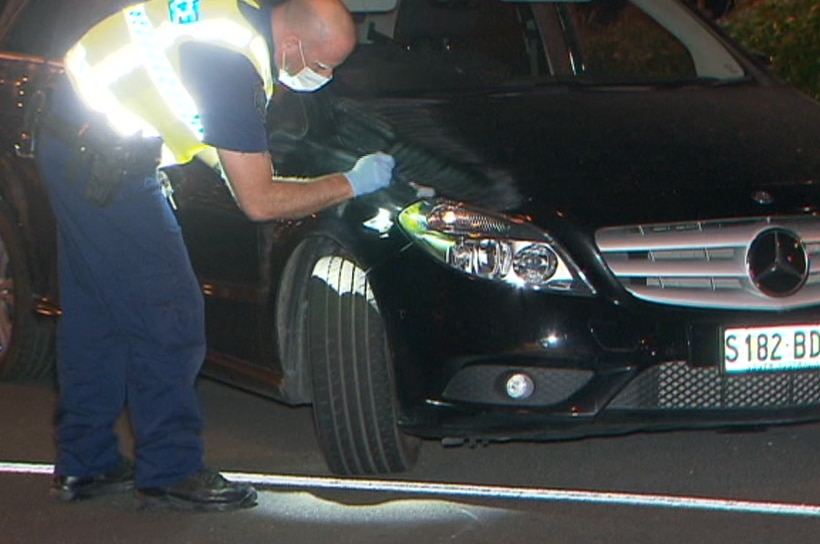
[[170, 502], [94, 490]]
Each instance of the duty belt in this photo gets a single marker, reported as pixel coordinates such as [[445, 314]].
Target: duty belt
[[107, 156]]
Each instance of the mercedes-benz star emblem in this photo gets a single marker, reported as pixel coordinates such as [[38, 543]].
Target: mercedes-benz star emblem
[[763, 197], [777, 262]]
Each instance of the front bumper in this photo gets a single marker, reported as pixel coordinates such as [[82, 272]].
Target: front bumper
[[599, 366]]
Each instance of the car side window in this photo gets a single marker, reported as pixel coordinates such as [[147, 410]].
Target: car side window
[[616, 40], [450, 44], [466, 36]]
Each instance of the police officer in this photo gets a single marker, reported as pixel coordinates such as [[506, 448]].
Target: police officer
[[191, 77]]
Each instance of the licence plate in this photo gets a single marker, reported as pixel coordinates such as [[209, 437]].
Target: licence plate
[[759, 349]]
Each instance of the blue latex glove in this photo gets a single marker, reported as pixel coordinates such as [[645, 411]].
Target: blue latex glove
[[371, 173]]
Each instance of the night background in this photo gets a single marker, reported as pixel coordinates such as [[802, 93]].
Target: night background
[[787, 32]]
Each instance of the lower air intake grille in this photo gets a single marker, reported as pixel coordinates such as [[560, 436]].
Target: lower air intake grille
[[679, 386]]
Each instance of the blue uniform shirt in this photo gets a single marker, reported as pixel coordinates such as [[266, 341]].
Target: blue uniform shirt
[[229, 93]]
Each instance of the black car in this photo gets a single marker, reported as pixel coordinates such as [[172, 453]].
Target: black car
[[604, 220]]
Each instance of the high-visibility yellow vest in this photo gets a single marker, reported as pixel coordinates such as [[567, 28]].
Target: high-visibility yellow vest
[[127, 67]]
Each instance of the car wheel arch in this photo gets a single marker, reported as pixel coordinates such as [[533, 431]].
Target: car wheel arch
[[26, 201], [354, 439], [289, 263]]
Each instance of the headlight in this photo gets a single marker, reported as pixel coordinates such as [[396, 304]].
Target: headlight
[[492, 246]]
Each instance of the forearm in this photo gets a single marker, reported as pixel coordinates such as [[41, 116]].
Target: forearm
[[264, 197], [291, 199]]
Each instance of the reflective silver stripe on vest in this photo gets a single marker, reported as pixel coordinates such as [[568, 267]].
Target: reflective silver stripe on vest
[[161, 71]]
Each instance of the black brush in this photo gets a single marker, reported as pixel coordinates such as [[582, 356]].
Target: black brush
[[443, 161]]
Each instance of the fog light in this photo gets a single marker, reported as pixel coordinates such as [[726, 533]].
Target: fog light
[[519, 386]]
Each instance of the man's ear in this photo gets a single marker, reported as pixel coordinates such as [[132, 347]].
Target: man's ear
[[289, 43]]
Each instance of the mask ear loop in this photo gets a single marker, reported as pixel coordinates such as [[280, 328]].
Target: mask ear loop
[[283, 65], [302, 52]]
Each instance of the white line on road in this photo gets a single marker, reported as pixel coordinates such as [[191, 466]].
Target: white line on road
[[491, 492]]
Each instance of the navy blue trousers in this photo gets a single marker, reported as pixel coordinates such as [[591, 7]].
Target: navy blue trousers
[[132, 330]]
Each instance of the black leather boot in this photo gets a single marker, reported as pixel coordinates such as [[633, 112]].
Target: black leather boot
[[207, 490], [70, 488]]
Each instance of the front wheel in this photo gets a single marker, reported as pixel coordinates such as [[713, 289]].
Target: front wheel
[[354, 401]]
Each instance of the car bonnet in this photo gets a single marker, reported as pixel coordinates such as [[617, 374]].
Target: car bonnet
[[624, 155]]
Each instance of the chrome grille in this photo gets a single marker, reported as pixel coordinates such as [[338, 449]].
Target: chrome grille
[[676, 385], [703, 264]]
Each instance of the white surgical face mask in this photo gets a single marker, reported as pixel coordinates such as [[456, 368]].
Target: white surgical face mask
[[305, 80]]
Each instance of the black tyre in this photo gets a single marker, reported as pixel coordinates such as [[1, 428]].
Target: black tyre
[[354, 404], [26, 340]]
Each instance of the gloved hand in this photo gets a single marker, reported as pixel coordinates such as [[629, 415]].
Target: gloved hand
[[371, 173]]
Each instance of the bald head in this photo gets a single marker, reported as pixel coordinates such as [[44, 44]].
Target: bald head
[[323, 28]]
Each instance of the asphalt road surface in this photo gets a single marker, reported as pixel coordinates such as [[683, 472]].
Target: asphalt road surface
[[679, 487]]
